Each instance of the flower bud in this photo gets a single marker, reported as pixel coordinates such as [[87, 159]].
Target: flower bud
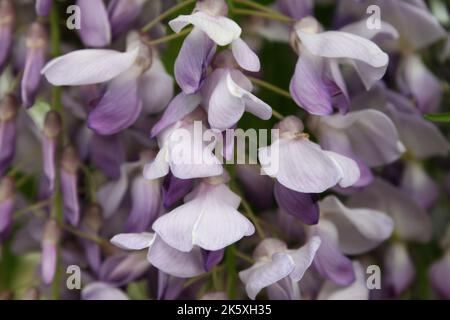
[[7, 17], [50, 239]]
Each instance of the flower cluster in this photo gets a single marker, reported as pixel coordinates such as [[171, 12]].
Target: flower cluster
[[349, 200]]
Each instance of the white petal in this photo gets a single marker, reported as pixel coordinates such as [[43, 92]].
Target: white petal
[[300, 165], [359, 229], [89, 66], [221, 30], [349, 169], [176, 263], [133, 241], [244, 56], [356, 291], [265, 274], [159, 167], [303, 258]]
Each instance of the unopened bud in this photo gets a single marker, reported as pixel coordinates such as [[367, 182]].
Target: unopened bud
[[52, 124], [36, 36], [52, 233], [93, 217], [6, 189], [8, 108], [69, 160], [7, 14]]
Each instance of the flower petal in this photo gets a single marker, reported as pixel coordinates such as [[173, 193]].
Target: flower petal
[[89, 66], [193, 60], [133, 241], [221, 30], [95, 30], [244, 56]]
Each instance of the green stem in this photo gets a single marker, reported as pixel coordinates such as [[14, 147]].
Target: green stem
[[166, 14], [251, 215], [258, 6], [262, 14], [168, 38], [56, 212], [271, 87], [230, 264], [245, 257]]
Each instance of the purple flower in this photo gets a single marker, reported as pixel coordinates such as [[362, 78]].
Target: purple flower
[[302, 165], [49, 244], [43, 7], [69, 185], [275, 262], [8, 131], [102, 291], [95, 30], [317, 83], [122, 13], [208, 219], [400, 270], [7, 18], [161, 255], [36, 43], [52, 129], [439, 276]]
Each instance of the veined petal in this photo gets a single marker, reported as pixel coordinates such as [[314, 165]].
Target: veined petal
[[174, 262], [244, 56], [308, 88], [119, 108], [348, 168], [359, 229], [179, 107], [193, 61], [300, 165], [262, 275], [133, 241], [303, 257], [221, 30], [95, 29], [89, 66]]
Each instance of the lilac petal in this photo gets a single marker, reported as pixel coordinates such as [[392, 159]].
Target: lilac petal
[[193, 61], [212, 258], [400, 270], [48, 154], [331, 263], [210, 220], [35, 60], [174, 262], [356, 291], [258, 188], [174, 189], [359, 229], [419, 185], [110, 195], [133, 241], [123, 268], [422, 138], [102, 291], [308, 88], [88, 66], [93, 254], [439, 276], [156, 88], [244, 56], [8, 131], [416, 80], [179, 107], [169, 288], [296, 9], [119, 107], [107, 153], [410, 220], [416, 24], [221, 30], [369, 60], [69, 191], [347, 167], [7, 14], [314, 174], [95, 29], [48, 260], [43, 7], [265, 274], [123, 13], [300, 205], [303, 257], [145, 197]]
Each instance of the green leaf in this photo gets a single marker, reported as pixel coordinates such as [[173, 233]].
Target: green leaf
[[438, 117]]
